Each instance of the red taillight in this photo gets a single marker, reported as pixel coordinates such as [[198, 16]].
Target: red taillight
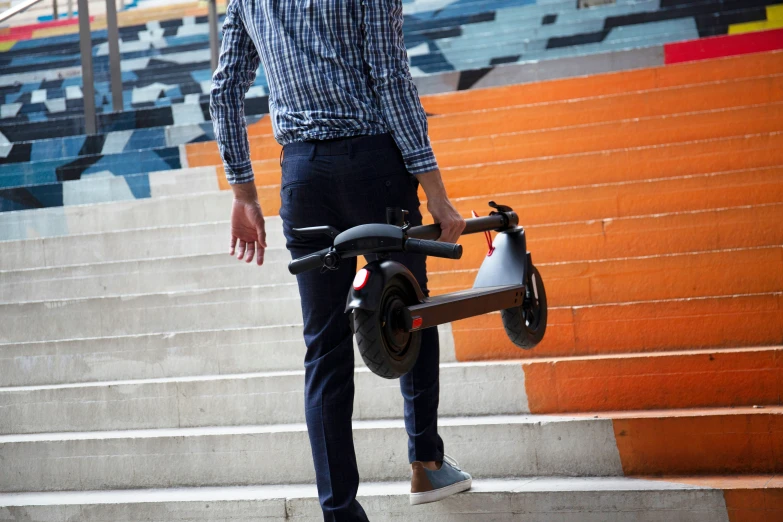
[[361, 278], [416, 323]]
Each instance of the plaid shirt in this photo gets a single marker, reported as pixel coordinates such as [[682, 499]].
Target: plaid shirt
[[335, 68]]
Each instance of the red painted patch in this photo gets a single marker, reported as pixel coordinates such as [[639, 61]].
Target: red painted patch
[[25, 32], [722, 46]]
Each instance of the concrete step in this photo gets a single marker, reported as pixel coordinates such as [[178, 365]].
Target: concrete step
[[184, 209], [267, 305], [632, 132], [279, 454], [637, 198], [689, 274], [582, 109], [278, 304], [243, 399], [611, 166], [546, 207], [632, 327], [689, 379], [729, 377], [745, 66], [744, 226], [619, 161], [535, 499], [645, 278], [701, 97], [223, 351], [708, 442], [148, 276]]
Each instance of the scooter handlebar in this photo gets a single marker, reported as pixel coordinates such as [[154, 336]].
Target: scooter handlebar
[[433, 248], [308, 262], [472, 226]]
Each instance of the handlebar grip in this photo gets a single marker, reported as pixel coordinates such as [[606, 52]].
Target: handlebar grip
[[433, 248], [308, 262]]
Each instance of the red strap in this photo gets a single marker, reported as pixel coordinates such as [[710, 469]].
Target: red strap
[[487, 235]]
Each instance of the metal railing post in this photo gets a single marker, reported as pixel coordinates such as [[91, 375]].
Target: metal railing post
[[70, 8], [114, 55], [18, 8], [88, 86], [55, 14], [214, 44]]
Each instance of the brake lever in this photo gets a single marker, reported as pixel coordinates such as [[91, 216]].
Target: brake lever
[[500, 208], [316, 231]]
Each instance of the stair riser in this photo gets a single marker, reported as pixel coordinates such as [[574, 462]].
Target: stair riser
[[465, 391], [165, 355], [151, 314], [725, 378], [567, 506], [646, 279], [174, 275], [656, 326], [575, 448]]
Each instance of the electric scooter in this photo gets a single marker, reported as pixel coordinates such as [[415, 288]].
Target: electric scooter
[[388, 309]]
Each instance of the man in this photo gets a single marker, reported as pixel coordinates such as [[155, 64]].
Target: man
[[354, 136]]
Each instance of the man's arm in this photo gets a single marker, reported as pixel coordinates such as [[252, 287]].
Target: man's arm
[[235, 74], [385, 54]]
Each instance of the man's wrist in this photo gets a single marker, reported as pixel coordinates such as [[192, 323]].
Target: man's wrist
[[432, 183], [245, 192]]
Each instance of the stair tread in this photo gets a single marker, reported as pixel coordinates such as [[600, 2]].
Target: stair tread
[[497, 420], [484, 485]]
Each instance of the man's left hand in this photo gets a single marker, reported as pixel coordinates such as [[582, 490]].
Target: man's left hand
[[248, 231]]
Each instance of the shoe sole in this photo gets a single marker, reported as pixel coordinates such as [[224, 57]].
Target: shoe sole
[[441, 493]]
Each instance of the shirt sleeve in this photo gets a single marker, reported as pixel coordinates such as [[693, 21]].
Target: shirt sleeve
[[387, 59], [234, 75]]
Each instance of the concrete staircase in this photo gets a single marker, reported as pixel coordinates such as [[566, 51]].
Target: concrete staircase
[[145, 375]]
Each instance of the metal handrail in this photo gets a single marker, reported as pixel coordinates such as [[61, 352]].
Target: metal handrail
[[5, 15]]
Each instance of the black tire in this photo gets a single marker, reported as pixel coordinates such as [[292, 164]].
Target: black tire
[[387, 350], [526, 324]]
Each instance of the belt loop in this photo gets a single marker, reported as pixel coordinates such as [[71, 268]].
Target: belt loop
[[350, 148], [312, 152]]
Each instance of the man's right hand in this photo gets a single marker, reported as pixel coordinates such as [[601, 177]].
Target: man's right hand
[[248, 230], [438, 204]]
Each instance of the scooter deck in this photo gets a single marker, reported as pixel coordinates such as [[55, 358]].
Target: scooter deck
[[461, 305]]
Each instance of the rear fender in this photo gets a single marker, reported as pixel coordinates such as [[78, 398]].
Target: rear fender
[[369, 297]]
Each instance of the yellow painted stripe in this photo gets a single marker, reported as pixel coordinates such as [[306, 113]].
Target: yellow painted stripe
[[752, 27], [5, 46], [774, 21]]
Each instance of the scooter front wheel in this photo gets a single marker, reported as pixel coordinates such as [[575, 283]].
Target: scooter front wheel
[[386, 348], [525, 324]]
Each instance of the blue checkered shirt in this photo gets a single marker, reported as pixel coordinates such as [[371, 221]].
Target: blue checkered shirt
[[335, 68]]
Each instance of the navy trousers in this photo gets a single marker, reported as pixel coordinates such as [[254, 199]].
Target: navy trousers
[[344, 183]]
